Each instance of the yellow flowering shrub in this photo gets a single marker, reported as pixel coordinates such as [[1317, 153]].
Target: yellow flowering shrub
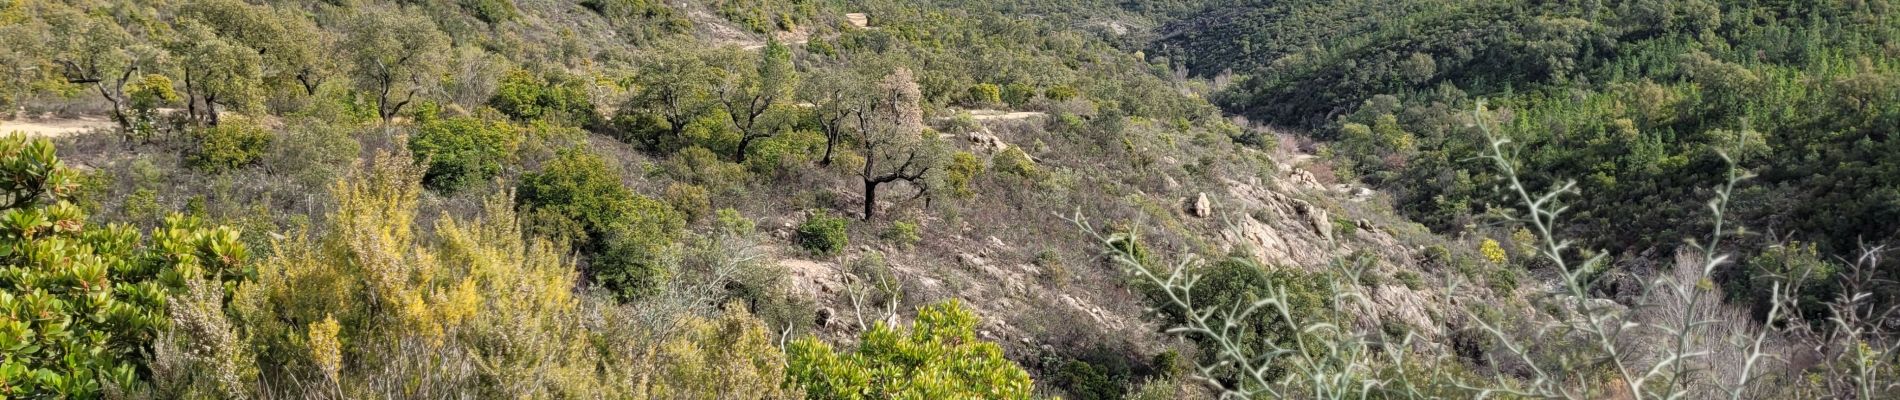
[[1492, 252]]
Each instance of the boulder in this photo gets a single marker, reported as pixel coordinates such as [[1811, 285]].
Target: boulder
[[985, 142], [824, 316], [1316, 218], [1201, 207]]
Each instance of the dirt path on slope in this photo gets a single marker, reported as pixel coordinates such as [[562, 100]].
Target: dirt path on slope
[[53, 128], [999, 115]]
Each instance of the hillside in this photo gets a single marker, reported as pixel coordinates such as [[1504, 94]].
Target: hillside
[[937, 199], [1633, 100]]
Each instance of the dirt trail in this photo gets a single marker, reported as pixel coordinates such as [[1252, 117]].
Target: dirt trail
[[53, 128], [998, 115], [757, 45]]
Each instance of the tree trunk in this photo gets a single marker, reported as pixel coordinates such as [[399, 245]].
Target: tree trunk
[[828, 145], [118, 108], [309, 82], [211, 109], [191, 98], [831, 141], [382, 103], [870, 185], [870, 199], [744, 141]]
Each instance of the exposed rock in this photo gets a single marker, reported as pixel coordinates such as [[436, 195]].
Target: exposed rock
[[858, 20], [1101, 316], [1364, 224], [1363, 193], [1568, 304], [824, 316], [1397, 303], [971, 260], [985, 142], [1261, 239], [814, 278], [1201, 207], [1300, 179], [1317, 219]]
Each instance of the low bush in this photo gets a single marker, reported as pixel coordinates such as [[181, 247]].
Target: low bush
[[80, 304], [903, 234], [985, 95], [236, 142], [699, 166], [691, 201], [491, 11], [1240, 281], [462, 151], [625, 236], [962, 171], [1014, 161], [1018, 95], [789, 150], [1060, 93], [823, 234], [1085, 381], [938, 358], [525, 96]]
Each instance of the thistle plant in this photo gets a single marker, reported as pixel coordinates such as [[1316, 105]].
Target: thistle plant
[[1676, 339]]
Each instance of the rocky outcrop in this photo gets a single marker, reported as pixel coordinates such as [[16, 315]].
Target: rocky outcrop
[[1201, 207]]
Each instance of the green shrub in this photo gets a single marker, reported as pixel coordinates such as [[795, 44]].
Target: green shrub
[[1085, 381], [1502, 279], [491, 11], [1797, 267], [632, 258], [1018, 94], [938, 358], [823, 234], [692, 201], [713, 131], [1060, 93], [1345, 227], [1014, 161], [234, 143], [1410, 279], [1239, 281], [462, 151], [903, 234], [963, 170], [985, 95], [1054, 271], [1393, 328], [1437, 256], [625, 236], [788, 150], [699, 166], [80, 305], [144, 96], [648, 130], [525, 96]]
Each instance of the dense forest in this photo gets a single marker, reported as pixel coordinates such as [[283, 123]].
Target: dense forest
[[853, 199]]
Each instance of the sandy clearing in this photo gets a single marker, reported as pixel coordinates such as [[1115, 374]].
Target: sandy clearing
[[53, 128]]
